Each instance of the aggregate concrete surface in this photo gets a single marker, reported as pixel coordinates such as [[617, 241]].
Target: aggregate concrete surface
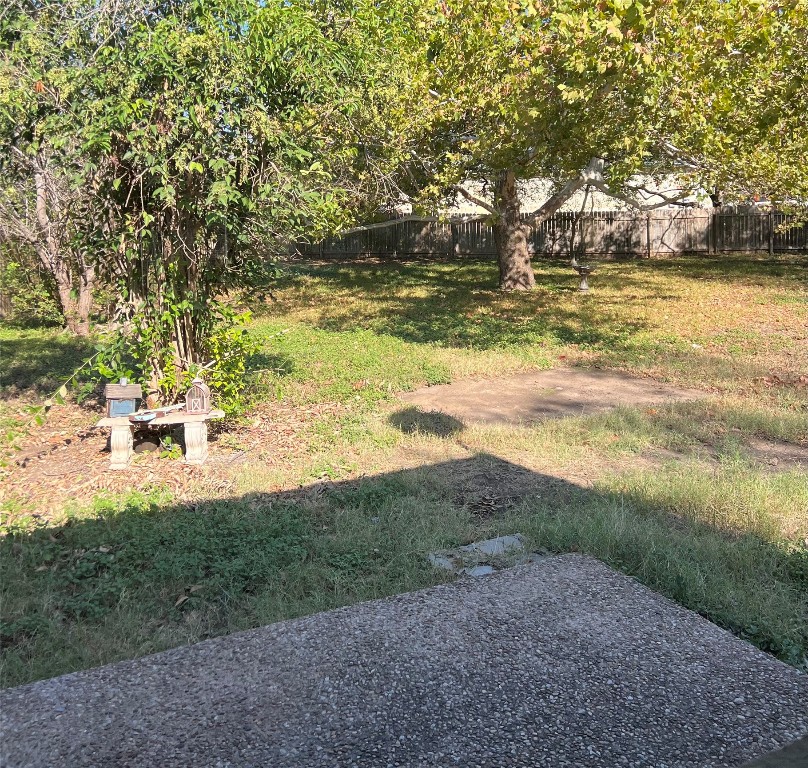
[[559, 663]]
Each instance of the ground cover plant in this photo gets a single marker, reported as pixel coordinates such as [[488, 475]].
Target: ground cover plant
[[328, 489]]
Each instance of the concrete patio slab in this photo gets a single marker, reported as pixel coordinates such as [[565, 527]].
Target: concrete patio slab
[[531, 397], [559, 663]]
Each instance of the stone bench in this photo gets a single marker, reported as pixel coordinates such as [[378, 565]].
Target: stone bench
[[195, 427]]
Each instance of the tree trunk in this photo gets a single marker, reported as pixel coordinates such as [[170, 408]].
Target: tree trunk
[[84, 305], [510, 237], [49, 248]]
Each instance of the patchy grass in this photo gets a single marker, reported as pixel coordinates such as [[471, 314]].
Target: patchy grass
[[35, 362], [347, 506], [136, 575], [719, 323], [712, 540]]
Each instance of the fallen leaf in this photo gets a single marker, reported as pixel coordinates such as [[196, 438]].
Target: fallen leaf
[[180, 600]]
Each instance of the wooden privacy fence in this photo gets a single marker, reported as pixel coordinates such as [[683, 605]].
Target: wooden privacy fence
[[614, 233]]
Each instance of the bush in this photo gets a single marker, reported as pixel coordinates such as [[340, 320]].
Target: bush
[[30, 301], [227, 347]]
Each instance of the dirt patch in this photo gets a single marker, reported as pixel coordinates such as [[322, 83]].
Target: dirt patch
[[531, 397], [489, 486], [777, 456], [67, 459]]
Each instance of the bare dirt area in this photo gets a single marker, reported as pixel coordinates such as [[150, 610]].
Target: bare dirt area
[[532, 397], [775, 455], [66, 461]]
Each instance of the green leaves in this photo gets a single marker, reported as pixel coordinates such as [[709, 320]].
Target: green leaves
[[223, 131]]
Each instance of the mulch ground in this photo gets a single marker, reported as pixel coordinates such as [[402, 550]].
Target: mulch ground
[[67, 459]]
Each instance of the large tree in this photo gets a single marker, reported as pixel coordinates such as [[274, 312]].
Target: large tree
[[47, 200], [599, 94], [217, 132]]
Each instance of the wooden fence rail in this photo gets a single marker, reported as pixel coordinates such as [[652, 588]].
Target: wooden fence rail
[[615, 233]]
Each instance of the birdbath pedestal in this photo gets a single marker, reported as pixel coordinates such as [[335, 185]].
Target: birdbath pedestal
[[584, 270]]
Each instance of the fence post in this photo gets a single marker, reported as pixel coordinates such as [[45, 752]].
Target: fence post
[[771, 233], [648, 235], [453, 232]]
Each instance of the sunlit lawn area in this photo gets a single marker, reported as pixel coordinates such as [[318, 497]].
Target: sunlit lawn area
[[681, 496]]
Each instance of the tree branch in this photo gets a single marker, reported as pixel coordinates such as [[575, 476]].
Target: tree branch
[[603, 187], [589, 175], [666, 199], [476, 200], [12, 227], [674, 153]]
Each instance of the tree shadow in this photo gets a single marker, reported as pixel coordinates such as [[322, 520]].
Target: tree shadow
[[141, 574], [735, 267], [265, 362], [415, 421], [39, 364], [424, 302]]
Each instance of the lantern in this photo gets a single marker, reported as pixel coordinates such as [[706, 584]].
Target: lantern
[[122, 398], [197, 401]]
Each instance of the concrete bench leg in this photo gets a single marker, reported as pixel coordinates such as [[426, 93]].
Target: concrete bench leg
[[196, 442], [120, 443]]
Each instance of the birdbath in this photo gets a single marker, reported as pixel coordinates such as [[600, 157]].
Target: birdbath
[[584, 270]]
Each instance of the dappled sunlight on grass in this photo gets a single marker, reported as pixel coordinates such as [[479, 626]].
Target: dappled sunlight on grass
[[697, 321]]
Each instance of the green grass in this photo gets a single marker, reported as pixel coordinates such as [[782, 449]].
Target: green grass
[[137, 575], [37, 361], [310, 365], [668, 494], [33, 364], [642, 316], [708, 539]]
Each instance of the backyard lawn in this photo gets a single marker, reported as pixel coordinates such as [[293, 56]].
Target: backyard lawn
[[329, 490]]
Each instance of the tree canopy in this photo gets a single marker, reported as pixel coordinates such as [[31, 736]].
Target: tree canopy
[[213, 134], [595, 94]]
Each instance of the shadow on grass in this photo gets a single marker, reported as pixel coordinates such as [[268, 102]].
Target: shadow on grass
[[412, 421], [736, 267], [39, 362], [456, 304], [263, 362], [142, 575]]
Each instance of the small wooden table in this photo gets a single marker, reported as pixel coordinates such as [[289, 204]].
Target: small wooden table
[[195, 427]]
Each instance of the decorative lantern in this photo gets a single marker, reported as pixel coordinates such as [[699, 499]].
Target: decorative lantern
[[197, 401], [122, 398]]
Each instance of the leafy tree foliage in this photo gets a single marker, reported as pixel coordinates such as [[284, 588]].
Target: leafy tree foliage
[[733, 110], [592, 94], [212, 133], [46, 187]]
